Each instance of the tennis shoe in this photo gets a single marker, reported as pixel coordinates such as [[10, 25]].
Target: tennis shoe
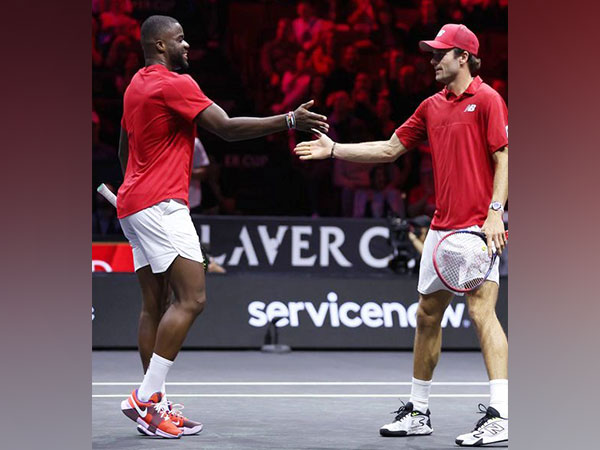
[[408, 422], [490, 429], [151, 416], [187, 426]]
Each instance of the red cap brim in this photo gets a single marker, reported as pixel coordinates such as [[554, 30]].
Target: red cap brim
[[429, 46]]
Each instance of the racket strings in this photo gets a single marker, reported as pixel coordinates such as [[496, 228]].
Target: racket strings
[[463, 260]]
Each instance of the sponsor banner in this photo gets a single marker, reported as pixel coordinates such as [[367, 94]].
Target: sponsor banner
[[284, 244], [299, 244], [359, 312], [112, 257]]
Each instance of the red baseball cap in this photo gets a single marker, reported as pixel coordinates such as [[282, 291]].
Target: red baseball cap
[[450, 36]]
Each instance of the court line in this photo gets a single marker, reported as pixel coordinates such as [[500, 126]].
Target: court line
[[301, 395], [293, 383]]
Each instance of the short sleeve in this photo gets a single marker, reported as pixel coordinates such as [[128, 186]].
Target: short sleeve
[[184, 97], [414, 130], [497, 123]]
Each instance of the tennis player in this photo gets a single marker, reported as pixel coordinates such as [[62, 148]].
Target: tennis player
[[160, 113], [467, 127]]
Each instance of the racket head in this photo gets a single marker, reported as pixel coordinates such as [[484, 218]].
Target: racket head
[[461, 261]]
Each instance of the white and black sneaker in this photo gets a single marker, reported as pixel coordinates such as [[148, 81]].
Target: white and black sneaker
[[408, 422], [490, 429]]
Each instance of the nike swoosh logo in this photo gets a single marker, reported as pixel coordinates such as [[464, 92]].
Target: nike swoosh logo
[[143, 412]]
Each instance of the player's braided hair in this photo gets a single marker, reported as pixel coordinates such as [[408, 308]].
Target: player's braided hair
[[473, 62]]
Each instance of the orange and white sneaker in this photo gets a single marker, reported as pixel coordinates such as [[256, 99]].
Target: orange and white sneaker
[[185, 425], [152, 416]]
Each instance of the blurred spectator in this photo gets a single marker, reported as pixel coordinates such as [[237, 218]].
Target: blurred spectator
[[405, 92], [362, 19], [421, 199], [132, 64], [386, 35], [97, 58], [100, 151], [342, 78], [294, 85], [104, 218], [386, 126], [317, 93], [426, 27], [126, 42], [381, 198], [418, 232], [200, 163], [345, 127], [278, 55], [306, 26], [322, 58]]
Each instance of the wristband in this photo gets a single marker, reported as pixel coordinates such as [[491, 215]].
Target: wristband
[[332, 147], [290, 120]]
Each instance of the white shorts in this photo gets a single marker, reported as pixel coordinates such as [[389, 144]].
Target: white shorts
[[429, 281], [160, 233]]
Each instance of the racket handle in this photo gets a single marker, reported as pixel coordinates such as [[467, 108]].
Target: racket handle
[[107, 194]]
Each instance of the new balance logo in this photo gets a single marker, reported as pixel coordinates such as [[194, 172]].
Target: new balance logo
[[470, 108]]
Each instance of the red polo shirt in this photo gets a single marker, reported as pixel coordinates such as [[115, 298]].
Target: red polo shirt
[[463, 133], [159, 109]]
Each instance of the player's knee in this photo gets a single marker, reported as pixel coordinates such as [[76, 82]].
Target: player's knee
[[427, 318], [480, 315], [194, 304]]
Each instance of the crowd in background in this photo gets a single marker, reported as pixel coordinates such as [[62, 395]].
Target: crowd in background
[[358, 60]]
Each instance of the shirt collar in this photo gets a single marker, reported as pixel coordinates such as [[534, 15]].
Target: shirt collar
[[156, 67], [471, 89]]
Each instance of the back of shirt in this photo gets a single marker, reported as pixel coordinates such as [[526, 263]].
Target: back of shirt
[[158, 116]]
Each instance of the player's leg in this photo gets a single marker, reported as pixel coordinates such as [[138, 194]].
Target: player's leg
[[154, 297], [163, 232], [494, 345], [493, 427], [186, 277], [413, 417], [428, 336]]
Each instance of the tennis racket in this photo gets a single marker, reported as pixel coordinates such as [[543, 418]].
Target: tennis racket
[[107, 194], [461, 260]]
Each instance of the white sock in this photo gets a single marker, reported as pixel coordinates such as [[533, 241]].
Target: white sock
[[499, 396], [163, 389], [155, 377], [419, 394]]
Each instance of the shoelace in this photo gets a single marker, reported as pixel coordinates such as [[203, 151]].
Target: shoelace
[[175, 408], [163, 409], [401, 412], [484, 419]]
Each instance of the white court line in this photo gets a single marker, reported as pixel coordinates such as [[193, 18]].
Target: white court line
[[301, 395], [294, 383]]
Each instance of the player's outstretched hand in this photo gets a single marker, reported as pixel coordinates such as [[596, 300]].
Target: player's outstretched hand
[[318, 149], [305, 120], [493, 228]]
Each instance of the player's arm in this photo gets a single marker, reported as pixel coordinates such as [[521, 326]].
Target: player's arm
[[364, 152], [123, 150], [494, 224], [216, 120]]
